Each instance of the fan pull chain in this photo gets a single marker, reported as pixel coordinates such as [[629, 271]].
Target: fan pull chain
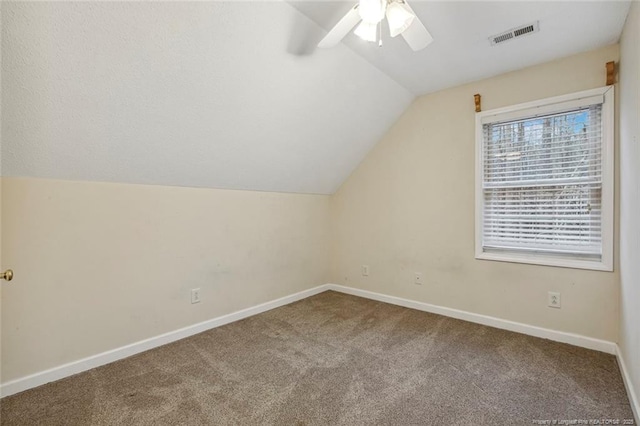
[[380, 34]]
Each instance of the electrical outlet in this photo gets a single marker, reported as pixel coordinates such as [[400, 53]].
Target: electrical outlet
[[418, 278], [195, 295], [365, 270], [554, 300]]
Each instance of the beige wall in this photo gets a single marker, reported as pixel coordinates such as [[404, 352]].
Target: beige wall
[[100, 265], [2, 265], [630, 198], [409, 207]]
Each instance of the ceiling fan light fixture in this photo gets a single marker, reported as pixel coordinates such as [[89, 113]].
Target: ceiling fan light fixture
[[399, 18], [372, 11], [402, 20], [367, 31]]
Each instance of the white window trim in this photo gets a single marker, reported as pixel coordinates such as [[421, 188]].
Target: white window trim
[[545, 106]]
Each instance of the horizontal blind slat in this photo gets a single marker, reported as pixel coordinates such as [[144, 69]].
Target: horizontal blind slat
[[546, 182], [540, 163], [551, 146], [542, 182], [582, 233], [594, 250]]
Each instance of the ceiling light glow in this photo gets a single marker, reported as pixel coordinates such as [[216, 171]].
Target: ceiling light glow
[[372, 11], [399, 18], [367, 31]]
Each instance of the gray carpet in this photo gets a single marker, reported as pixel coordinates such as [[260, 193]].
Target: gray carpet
[[339, 360]]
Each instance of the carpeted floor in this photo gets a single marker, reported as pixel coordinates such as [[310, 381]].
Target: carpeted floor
[[338, 359]]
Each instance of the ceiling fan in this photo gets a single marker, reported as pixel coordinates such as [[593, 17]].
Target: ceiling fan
[[401, 18]]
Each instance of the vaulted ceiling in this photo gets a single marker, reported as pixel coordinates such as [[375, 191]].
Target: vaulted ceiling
[[204, 94], [234, 94], [461, 51]]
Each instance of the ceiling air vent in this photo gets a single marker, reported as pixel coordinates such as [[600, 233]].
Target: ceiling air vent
[[514, 33]]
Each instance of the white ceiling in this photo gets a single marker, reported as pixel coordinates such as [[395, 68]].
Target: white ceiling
[[461, 51], [234, 94], [204, 94]]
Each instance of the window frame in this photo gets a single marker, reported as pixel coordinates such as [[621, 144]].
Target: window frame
[[548, 106]]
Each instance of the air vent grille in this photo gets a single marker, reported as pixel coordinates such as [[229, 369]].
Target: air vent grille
[[514, 33], [502, 37], [523, 31]]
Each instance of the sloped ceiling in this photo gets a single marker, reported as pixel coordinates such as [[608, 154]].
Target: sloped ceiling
[[461, 51], [233, 94], [203, 94]]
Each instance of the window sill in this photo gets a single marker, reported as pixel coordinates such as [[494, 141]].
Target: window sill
[[532, 259]]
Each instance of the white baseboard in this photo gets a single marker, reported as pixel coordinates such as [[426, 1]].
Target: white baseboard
[[98, 360], [531, 330], [626, 378]]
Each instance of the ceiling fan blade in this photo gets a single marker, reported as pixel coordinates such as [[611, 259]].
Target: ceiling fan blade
[[341, 29], [416, 36]]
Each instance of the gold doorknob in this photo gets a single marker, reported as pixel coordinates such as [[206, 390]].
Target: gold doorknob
[[7, 275]]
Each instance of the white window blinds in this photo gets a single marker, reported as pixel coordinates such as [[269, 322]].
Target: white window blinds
[[542, 183]]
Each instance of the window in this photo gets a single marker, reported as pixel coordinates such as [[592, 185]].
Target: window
[[544, 182]]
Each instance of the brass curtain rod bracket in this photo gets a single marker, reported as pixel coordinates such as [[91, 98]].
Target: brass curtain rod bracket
[[476, 97], [611, 73]]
